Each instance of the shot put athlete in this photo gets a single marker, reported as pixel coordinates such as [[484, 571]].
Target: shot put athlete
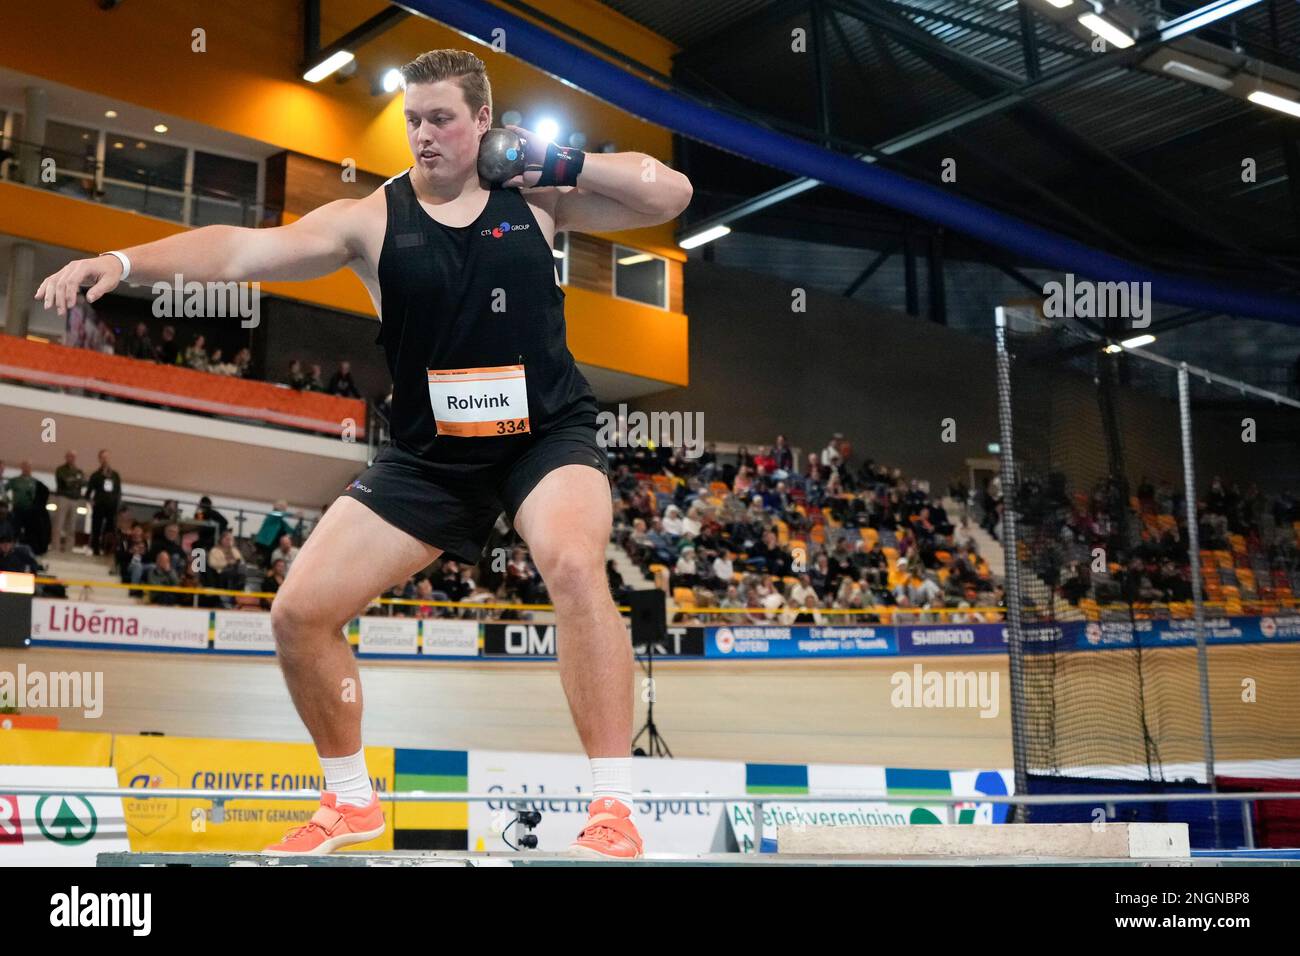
[[490, 414]]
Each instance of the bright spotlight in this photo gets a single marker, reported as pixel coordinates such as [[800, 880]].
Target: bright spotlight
[[547, 130]]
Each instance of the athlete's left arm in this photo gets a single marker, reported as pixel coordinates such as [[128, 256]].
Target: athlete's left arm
[[621, 191]]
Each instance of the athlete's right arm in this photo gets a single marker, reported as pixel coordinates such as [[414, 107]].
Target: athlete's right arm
[[324, 240]]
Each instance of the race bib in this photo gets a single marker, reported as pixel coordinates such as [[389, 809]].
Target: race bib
[[479, 402]]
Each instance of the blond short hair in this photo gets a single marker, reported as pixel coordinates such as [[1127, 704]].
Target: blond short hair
[[468, 70]]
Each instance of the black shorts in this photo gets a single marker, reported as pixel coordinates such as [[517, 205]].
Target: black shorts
[[454, 506]]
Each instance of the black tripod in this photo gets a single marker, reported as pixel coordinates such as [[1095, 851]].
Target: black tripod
[[649, 623]]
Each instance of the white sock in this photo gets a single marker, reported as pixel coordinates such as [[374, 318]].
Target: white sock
[[612, 777], [346, 778]]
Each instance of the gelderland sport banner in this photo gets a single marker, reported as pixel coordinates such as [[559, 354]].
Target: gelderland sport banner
[[554, 782]]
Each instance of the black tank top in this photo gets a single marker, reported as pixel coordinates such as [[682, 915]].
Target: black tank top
[[438, 285]]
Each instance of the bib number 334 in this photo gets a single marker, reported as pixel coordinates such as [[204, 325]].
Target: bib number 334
[[479, 402]]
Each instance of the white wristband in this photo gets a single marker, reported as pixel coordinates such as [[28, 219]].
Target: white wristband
[[126, 263]]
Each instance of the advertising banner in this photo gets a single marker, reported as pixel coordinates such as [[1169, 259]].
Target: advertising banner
[[449, 638], [118, 625], [831, 779], [60, 829], [388, 635], [743, 640], [55, 748], [1107, 635], [952, 639], [243, 631], [556, 782], [201, 764]]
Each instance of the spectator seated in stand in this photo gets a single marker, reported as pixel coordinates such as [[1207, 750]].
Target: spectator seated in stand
[[341, 383], [17, 557], [167, 351], [167, 540], [285, 551], [163, 574], [196, 356], [226, 565], [138, 344]]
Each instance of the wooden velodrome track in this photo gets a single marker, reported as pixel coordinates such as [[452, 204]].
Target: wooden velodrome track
[[828, 711]]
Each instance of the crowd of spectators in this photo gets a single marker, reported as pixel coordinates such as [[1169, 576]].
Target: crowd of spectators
[[88, 330], [741, 532], [751, 531], [202, 551], [1108, 545], [340, 384], [732, 546]]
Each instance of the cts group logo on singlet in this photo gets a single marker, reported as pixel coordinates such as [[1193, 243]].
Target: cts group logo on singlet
[[496, 232], [358, 486]]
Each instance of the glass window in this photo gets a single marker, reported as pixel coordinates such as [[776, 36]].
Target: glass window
[[72, 147], [154, 202], [144, 175], [7, 149], [73, 150], [640, 276], [144, 162], [225, 190]]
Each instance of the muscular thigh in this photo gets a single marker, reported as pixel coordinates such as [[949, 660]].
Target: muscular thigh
[[350, 558], [569, 508]]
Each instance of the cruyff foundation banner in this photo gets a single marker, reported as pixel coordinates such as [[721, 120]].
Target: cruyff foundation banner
[[197, 763]]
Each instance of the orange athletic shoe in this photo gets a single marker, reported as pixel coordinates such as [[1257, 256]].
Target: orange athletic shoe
[[609, 833], [332, 827]]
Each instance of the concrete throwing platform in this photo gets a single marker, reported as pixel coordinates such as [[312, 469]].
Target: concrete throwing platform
[[463, 859], [1108, 841]]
